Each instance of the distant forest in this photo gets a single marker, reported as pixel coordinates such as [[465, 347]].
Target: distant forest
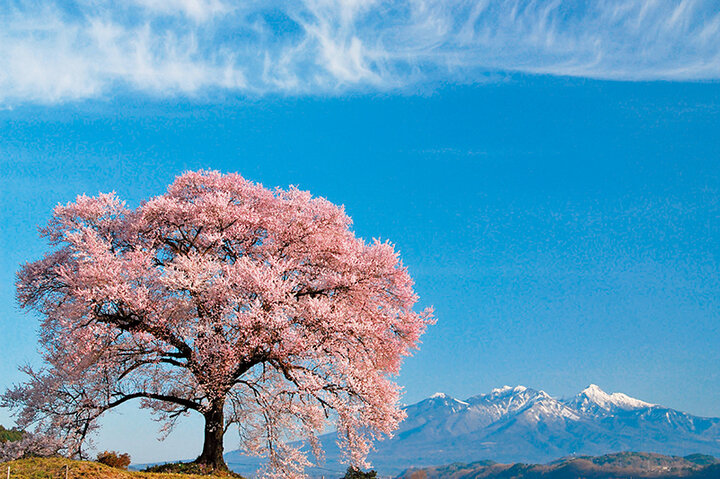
[[623, 465], [9, 434]]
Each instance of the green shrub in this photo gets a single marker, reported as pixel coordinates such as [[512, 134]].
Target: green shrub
[[10, 434], [113, 459], [355, 473]]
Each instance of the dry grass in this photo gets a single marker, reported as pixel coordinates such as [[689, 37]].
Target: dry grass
[[54, 468]]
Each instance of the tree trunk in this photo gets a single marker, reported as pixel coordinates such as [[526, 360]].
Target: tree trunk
[[212, 453]]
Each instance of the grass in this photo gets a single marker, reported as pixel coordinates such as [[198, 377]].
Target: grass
[[186, 468], [54, 468]]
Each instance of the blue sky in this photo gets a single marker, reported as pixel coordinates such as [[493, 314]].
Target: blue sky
[[549, 172]]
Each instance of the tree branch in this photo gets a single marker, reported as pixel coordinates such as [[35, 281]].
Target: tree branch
[[186, 403]]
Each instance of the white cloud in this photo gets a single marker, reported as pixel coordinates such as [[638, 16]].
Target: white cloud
[[197, 10], [59, 51]]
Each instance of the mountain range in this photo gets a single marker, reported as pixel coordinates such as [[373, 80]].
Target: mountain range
[[520, 424]]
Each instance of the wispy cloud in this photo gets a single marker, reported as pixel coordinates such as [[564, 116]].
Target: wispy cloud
[[55, 51]]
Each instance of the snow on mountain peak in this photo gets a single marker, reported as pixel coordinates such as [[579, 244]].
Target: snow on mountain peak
[[447, 398], [501, 390], [594, 395], [507, 389]]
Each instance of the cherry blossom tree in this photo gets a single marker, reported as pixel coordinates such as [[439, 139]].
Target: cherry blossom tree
[[253, 307], [30, 445]]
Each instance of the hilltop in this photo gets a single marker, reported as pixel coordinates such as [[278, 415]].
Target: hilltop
[[42, 468]]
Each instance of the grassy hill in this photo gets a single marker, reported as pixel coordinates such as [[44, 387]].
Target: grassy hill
[[54, 468]]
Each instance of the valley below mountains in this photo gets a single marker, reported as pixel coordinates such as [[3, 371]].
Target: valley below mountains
[[524, 425]]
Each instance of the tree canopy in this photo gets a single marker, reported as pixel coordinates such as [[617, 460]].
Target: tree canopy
[[250, 306]]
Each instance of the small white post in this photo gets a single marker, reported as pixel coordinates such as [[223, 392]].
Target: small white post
[[8, 474], [67, 469]]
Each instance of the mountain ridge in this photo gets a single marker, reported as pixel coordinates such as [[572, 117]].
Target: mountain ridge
[[524, 425], [626, 465]]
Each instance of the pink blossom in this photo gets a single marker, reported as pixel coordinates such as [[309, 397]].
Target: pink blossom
[[250, 306]]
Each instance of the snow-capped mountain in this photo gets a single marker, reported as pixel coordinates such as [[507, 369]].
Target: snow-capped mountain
[[594, 400], [520, 424]]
